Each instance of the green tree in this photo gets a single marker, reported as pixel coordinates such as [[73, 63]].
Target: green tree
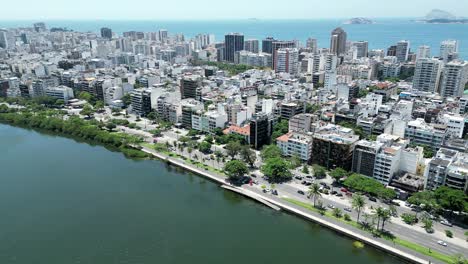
[[87, 110], [276, 170], [235, 170], [204, 147], [233, 148], [305, 169], [358, 203], [314, 192], [270, 151], [280, 128], [451, 199], [428, 225], [312, 108], [338, 173], [127, 100], [87, 97], [319, 172], [295, 161], [248, 155], [337, 212], [110, 126]]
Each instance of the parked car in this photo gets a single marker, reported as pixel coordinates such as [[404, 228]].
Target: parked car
[[344, 190], [334, 192], [347, 209], [442, 243], [323, 184], [309, 177], [308, 183], [446, 223], [274, 192], [300, 192], [331, 206], [372, 199], [339, 195], [298, 177]]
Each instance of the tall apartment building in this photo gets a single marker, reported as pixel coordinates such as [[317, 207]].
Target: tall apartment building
[[423, 52], [364, 155], [312, 44], [267, 45], [190, 87], [421, 133], [302, 123], [290, 109], [295, 144], [251, 45], [333, 147], [448, 50], [402, 50], [141, 101], [233, 42], [287, 60], [362, 48], [338, 41], [427, 75], [106, 33], [260, 130], [454, 79], [276, 45], [60, 92]]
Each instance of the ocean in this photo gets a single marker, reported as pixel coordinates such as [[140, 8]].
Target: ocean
[[380, 35]]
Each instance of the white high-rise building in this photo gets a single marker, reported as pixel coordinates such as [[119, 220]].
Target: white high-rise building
[[402, 50], [312, 44], [448, 50], [251, 45], [287, 60], [423, 52], [454, 79], [427, 75], [362, 48]]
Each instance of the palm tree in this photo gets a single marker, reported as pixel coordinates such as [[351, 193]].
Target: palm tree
[[189, 150], [358, 204], [380, 211], [386, 217], [314, 192]]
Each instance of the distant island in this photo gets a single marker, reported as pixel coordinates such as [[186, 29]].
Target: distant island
[[359, 21], [438, 16]]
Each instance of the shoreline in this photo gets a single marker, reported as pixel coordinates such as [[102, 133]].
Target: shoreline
[[263, 199], [290, 209]]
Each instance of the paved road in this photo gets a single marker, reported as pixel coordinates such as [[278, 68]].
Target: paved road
[[408, 233]]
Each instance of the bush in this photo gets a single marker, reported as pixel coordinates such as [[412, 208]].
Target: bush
[[347, 217], [409, 219], [448, 233]]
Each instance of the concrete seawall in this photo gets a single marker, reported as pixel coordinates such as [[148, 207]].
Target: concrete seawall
[[251, 195], [281, 205]]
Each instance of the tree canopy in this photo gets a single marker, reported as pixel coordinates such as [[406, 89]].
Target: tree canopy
[[276, 170], [235, 169]]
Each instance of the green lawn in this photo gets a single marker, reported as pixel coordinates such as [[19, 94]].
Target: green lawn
[[410, 245]]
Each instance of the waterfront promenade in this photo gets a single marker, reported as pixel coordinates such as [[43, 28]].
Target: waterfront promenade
[[341, 228]]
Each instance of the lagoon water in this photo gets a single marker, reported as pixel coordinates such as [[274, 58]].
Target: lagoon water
[[62, 201]]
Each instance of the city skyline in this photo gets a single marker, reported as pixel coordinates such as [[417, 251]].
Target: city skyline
[[207, 10]]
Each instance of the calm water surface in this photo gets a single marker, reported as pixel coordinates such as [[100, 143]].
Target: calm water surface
[[67, 202]]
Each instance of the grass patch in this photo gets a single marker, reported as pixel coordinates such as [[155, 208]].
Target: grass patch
[[407, 244], [423, 250]]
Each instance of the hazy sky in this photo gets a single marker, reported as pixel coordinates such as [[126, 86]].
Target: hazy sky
[[222, 9]]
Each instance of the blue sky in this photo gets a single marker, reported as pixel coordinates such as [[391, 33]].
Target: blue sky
[[221, 9]]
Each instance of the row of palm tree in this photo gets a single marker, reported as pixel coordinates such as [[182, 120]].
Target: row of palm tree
[[358, 203]]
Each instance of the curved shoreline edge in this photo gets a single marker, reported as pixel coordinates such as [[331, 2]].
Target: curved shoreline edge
[[349, 233]]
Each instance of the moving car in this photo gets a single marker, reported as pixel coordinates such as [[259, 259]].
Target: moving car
[[300, 192], [347, 209], [331, 206], [446, 223], [442, 243]]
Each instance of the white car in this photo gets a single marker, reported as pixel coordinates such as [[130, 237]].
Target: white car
[[442, 243]]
